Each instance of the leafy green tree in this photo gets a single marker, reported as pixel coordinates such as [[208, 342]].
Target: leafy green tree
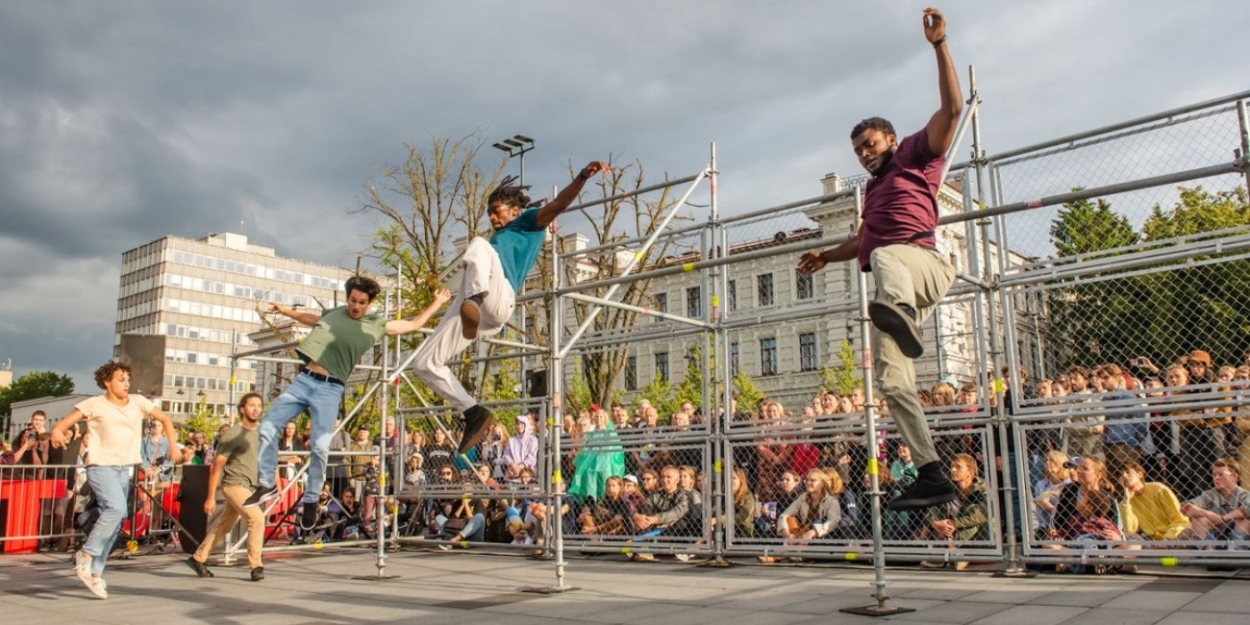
[[1090, 226], [663, 398], [204, 419], [34, 385], [842, 378], [749, 395]]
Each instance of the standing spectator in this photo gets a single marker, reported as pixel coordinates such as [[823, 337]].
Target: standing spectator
[[155, 454], [439, 453], [1200, 437], [1125, 437], [1085, 432], [29, 454], [360, 445], [521, 451], [234, 469], [601, 457], [114, 427], [492, 448], [287, 443], [338, 470]]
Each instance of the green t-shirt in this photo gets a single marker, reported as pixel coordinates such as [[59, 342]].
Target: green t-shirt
[[518, 245], [337, 341], [240, 446]]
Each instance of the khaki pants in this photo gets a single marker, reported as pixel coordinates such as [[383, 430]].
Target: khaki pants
[[229, 515], [918, 277]]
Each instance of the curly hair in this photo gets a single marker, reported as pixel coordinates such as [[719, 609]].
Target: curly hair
[[509, 193], [365, 285], [106, 371], [873, 123]]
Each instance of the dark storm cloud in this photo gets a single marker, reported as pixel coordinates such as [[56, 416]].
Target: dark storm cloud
[[122, 122]]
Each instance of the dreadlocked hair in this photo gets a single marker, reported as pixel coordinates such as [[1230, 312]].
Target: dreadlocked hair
[[509, 193]]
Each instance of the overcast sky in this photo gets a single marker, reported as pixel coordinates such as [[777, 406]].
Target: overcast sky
[[122, 122]]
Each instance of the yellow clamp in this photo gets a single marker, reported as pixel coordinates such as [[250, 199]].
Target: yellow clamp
[[850, 555], [716, 300], [872, 466], [318, 545], [132, 546], [1168, 561], [716, 466], [687, 267], [556, 477], [625, 550], [638, 257]]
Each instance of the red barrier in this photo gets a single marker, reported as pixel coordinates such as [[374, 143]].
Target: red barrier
[[24, 499]]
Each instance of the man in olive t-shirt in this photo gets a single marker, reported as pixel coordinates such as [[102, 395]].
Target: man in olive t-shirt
[[339, 338], [234, 468]]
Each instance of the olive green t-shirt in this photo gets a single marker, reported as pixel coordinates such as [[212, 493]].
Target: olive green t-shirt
[[337, 341], [240, 446]]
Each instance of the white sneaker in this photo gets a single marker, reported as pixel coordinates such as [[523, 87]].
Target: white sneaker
[[82, 568], [684, 557], [98, 587]]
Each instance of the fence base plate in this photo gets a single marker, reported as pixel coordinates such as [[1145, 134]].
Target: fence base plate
[[876, 610], [550, 590], [376, 578], [1017, 574]]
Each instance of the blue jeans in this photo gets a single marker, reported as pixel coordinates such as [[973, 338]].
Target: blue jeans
[[474, 530], [322, 399], [110, 485]]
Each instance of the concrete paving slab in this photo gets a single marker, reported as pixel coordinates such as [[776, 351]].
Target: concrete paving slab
[[1148, 600], [1117, 616], [1032, 614], [960, 613]]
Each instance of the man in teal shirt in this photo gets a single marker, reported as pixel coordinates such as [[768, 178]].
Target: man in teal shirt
[[494, 271], [340, 336]]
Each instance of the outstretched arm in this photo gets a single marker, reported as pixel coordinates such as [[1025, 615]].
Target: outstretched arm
[[306, 318], [552, 209], [408, 326], [941, 127], [812, 262]]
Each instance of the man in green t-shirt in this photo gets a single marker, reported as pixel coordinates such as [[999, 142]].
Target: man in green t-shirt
[[234, 469], [494, 271], [339, 337]]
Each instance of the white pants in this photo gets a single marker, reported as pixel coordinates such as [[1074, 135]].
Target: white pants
[[482, 273]]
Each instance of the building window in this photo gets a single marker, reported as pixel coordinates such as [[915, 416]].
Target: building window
[[631, 373], [694, 303], [768, 356], [733, 359], [661, 303], [803, 284], [661, 366], [765, 282], [733, 295], [808, 358]]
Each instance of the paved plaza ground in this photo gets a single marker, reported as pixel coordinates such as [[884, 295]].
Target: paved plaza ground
[[479, 589]]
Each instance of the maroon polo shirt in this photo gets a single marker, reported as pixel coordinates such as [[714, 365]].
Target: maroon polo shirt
[[900, 205]]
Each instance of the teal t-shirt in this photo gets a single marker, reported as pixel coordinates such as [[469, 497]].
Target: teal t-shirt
[[337, 341], [518, 245]]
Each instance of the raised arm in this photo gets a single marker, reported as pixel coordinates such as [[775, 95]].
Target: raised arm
[[941, 127], [552, 209], [58, 431], [305, 318], [812, 262], [408, 326]]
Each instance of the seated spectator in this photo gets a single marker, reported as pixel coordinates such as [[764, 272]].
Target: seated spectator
[[1150, 509], [345, 517], [609, 515], [632, 493], [692, 523], [461, 519], [744, 505], [1054, 477], [664, 507], [415, 473], [816, 513], [964, 519], [1222, 512], [1085, 511]]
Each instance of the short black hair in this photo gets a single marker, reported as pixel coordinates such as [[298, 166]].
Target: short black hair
[[509, 193], [874, 123], [243, 400], [106, 371], [365, 285]]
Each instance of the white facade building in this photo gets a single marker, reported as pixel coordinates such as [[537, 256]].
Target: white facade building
[[204, 296]]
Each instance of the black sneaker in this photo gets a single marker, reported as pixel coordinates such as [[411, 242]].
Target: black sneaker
[[199, 567], [258, 573], [259, 495], [477, 422], [470, 317], [931, 488], [308, 517], [898, 321]]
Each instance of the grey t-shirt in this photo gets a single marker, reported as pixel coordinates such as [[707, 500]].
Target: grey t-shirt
[[240, 446], [1212, 501]]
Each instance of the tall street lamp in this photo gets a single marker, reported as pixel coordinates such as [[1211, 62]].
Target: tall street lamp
[[517, 146]]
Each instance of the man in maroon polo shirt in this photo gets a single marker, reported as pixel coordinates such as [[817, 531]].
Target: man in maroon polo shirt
[[896, 242]]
